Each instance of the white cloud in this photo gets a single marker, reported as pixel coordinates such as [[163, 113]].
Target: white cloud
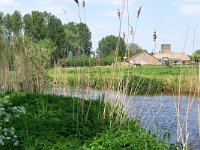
[[49, 6], [8, 3], [190, 9]]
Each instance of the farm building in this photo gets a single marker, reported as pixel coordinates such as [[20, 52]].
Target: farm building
[[172, 58], [166, 55], [143, 58]]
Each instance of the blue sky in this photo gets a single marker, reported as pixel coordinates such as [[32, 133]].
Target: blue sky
[[170, 18]]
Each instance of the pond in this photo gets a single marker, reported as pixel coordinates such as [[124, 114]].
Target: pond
[[157, 113]]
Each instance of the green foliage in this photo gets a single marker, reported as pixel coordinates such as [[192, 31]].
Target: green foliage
[[141, 85], [17, 23], [8, 26], [107, 46], [124, 139], [78, 39], [67, 39], [150, 79], [38, 26], [30, 61], [77, 61], [8, 137], [134, 49], [56, 122], [196, 56], [83, 60], [55, 32], [27, 19], [104, 61], [1, 27], [84, 39]]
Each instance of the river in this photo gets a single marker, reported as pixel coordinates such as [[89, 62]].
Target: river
[[156, 113]]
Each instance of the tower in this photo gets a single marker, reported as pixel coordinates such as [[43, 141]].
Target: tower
[[165, 48]]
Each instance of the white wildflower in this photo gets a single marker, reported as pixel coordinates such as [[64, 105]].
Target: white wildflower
[[16, 143], [8, 138], [15, 136], [1, 142], [6, 113]]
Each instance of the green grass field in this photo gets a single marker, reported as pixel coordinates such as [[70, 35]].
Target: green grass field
[[174, 76]]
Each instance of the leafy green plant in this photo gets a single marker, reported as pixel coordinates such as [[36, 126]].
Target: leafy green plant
[[8, 136], [124, 139]]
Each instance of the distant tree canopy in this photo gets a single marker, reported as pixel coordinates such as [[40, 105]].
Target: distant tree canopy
[[134, 49], [78, 38], [196, 56], [108, 44], [74, 38]]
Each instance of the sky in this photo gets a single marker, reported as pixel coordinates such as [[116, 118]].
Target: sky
[[177, 22]]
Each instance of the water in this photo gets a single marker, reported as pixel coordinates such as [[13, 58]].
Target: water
[[156, 113]]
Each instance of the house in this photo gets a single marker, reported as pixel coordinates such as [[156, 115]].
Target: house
[[143, 58], [166, 55], [172, 58]]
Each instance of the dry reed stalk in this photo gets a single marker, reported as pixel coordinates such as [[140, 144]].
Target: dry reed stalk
[[128, 31], [77, 2], [158, 111], [180, 126], [120, 15], [136, 24], [84, 4]]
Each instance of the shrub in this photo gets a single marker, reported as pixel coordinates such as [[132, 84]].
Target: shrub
[[8, 137], [83, 60], [123, 139]]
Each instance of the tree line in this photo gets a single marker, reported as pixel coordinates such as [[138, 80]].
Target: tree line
[[67, 39]]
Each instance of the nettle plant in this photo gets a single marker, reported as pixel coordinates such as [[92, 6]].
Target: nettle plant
[[8, 135]]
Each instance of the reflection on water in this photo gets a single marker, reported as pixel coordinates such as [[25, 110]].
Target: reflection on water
[[155, 112]]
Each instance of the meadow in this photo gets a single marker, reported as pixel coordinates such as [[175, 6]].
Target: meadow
[[166, 79]]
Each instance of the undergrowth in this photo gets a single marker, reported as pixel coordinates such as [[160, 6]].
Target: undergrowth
[[57, 122]]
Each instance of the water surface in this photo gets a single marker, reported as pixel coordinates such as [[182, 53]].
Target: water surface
[[156, 113]]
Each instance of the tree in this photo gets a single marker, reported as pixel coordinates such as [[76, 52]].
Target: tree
[[17, 23], [43, 25], [27, 19], [1, 26], [71, 26], [8, 27], [84, 38], [74, 38], [72, 44], [55, 32], [134, 49], [78, 38], [196, 56], [107, 46], [38, 25]]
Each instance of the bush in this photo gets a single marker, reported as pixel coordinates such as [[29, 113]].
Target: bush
[[83, 60], [123, 139]]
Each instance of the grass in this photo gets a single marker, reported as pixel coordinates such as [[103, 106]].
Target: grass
[[165, 78], [56, 122]]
